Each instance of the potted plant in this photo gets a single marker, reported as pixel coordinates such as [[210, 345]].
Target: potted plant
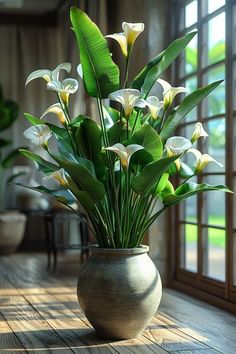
[[12, 223], [119, 169]]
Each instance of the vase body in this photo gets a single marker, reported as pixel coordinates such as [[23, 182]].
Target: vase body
[[119, 290], [12, 227]]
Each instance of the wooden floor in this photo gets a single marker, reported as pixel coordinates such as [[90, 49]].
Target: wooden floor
[[39, 313]]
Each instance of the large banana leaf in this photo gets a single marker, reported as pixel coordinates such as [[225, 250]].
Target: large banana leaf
[[150, 140], [89, 137], [151, 174], [82, 175], [185, 107], [43, 165], [100, 73], [189, 189], [150, 73], [62, 195]]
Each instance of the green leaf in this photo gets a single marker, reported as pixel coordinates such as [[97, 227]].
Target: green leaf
[[151, 174], [100, 73], [161, 185], [89, 137], [43, 165], [188, 103], [148, 76], [117, 133], [187, 190], [82, 176], [150, 140], [62, 195], [138, 81], [33, 120]]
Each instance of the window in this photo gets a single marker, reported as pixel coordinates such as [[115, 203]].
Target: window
[[206, 225]]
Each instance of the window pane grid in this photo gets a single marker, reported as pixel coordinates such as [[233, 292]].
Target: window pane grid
[[211, 222]]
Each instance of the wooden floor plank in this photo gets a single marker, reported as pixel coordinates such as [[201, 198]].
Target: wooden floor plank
[[40, 311], [193, 316], [8, 340]]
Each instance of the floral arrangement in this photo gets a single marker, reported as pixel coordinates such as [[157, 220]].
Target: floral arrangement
[[120, 169]]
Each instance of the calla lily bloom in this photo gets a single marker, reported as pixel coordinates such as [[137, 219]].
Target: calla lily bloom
[[38, 134], [56, 108], [129, 98], [80, 71], [125, 152], [127, 38], [49, 75], [177, 145], [202, 160], [198, 132], [154, 106], [170, 92], [64, 88], [59, 177]]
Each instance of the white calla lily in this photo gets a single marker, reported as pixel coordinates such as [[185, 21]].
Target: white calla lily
[[56, 108], [202, 160], [48, 75], [59, 176], [170, 92], [125, 152], [38, 134], [177, 145], [64, 88], [127, 38], [154, 106], [198, 132], [129, 98]]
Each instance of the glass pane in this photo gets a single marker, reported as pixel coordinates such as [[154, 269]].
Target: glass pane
[[214, 5], [191, 13], [189, 248], [191, 56], [214, 38], [191, 85], [215, 103], [214, 203], [188, 208], [214, 253], [214, 144]]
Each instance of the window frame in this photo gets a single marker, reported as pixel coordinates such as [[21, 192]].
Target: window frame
[[222, 294]]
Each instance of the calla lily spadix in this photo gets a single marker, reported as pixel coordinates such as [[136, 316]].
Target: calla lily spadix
[[49, 75], [56, 108], [59, 177], [170, 92], [38, 134], [125, 152], [154, 106], [199, 132], [202, 160], [64, 88], [127, 38], [129, 98]]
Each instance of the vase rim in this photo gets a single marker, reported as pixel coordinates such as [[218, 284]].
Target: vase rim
[[123, 251]]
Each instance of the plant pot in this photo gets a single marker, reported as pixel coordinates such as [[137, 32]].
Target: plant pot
[[119, 290], [12, 227]]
